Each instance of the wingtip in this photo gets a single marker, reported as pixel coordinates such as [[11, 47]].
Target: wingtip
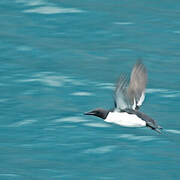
[[158, 130], [139, 61]]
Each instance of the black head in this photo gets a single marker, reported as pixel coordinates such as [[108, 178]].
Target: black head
[[102, 113]]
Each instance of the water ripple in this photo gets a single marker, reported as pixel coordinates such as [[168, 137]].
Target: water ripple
[[173, 131], [24, 48], [176, 32], [97, 125], [31, 2], [49, 79], [106, 85], [70, 119], [124, 23], [100, 150], [8, 175], [151, 90], [82, 94], [23, 123], [138, 138], [171, 95], [52, 10]]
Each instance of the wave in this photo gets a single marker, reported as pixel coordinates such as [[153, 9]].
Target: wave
[[52, 10], [96, 125], [106, 85], [176, 32], [24, 48], [124, 23], [23, 123], [171, 95], [70, 119], [44, 7], [168, 93], [82, 94], [31, 2], [8, 175], [138, 138], [49, 79], [100, 150], [153, 90], [173, 131]]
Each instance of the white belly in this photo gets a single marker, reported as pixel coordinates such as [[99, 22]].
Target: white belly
[[125, 119]]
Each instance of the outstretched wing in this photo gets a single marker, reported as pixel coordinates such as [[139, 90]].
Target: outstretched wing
[[138, 80], [121, 99], [131, 95]]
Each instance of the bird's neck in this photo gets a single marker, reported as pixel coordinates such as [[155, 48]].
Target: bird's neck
[[103, 114]]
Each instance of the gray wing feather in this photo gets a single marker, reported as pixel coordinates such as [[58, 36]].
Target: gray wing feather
[[121, 97], [138, 80], [131, 95]]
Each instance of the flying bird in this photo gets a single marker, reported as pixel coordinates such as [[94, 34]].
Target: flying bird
[[128, 97]]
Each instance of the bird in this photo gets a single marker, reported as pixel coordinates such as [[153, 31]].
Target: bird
[[129, 95]]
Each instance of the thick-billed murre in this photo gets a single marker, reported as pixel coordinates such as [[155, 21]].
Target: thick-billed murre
[[128, 97]]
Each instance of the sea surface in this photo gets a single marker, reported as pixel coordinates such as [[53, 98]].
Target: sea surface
[[61, 58]]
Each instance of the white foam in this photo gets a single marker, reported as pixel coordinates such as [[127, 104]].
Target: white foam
[[52, 10], [31, 2], [97, 124], [23, 123], [173, 131], [3, 100], [35, 3], [167, 93], [48, 80], [24, 48], [124, 23], [70, 119], [49, 129], [176, 32], [68, 126], [52, 80], [100, 150], [82, 94], [29, 80], [149, 90], [10, 175], [106, 86], [134, 137], [170, 95]]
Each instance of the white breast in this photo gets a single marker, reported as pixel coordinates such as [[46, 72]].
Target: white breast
[[125, 119]]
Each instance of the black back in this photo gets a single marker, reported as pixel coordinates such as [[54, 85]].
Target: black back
[[150, 122]]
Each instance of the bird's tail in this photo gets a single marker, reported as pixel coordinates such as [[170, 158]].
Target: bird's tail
[[154, 127]]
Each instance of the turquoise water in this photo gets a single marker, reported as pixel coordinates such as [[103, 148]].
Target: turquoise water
[[60, 59]]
